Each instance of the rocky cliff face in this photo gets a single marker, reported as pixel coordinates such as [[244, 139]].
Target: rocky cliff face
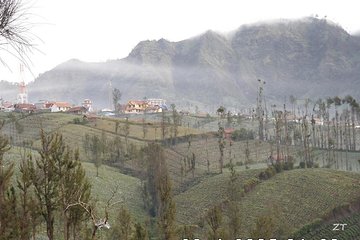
[[305, 58]]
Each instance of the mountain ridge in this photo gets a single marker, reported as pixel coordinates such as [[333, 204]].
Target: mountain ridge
[[309, 57]]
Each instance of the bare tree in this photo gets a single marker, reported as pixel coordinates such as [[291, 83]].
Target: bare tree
[[98, 222], [16, 38]]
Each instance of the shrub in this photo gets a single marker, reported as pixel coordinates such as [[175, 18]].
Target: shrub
[[76, 121], [250, 184], [302, 165], [279, 167], [228, 165], [263, 176], [242, 134], [288, 165], [270, 171], [310, 164], [239, 163]]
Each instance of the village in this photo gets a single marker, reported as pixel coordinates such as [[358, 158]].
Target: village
[[22, 105]]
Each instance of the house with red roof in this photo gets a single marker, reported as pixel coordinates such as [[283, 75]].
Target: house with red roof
[[58, 106]]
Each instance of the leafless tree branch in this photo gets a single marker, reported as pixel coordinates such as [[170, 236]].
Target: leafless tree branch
[[16, 38], [98, 222]]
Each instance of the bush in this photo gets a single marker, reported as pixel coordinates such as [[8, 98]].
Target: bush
[[310, 164], [263, 176], [79, 121], [250, 184], [239, 163], [270, 171], [228, 165], [302, 165], [288, 165], [243, 134], [279, 167], [76, 121]]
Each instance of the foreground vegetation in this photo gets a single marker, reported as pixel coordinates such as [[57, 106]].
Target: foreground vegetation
[[135, 186]]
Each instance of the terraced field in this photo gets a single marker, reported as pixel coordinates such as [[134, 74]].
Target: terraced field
[[31, 125], [350, 231], [128, 190], [192, 204], [300, 196], [294, 198], [153, 129]]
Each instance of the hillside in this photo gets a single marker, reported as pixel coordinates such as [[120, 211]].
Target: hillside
[[8, 91], [291, 197], [215, 69], [295, 199]]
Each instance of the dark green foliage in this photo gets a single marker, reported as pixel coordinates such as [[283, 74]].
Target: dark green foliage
[[78, 120], [8, 224], [221, 111], [221, 142], [308, 228], [234, 220], [250, 184], [157, 191], [279, 167], [234, 190], [214, 219], [140, 232], [264, 227], [186, 231], [116, 96], [123, 227], [58, 180], [243, 134], [289, 164], [268, 173], [302, 165], [95, 148]]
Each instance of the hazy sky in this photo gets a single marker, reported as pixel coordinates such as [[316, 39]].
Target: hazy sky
[[92, 30]]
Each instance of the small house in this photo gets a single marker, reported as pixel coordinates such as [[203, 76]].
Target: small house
[[78, 110]]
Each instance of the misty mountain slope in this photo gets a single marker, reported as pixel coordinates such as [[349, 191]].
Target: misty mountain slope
[[306, 58], [8, 91], [294, 56]]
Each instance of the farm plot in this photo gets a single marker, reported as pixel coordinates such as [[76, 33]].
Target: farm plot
[[299, 196], [351, 229], [192, 204], [74, 135], [27, 129], [128, 190], [136, 128]]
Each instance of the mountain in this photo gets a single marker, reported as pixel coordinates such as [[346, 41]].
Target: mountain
[[309, 57], [8, 91]]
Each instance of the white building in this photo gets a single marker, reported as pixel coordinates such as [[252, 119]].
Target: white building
[[156, 102], [88, 105]]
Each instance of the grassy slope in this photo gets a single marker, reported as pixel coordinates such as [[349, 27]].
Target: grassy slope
[[326, 230], [295, 197], [300, 196], [128, 191], [153, 130], [192, 204]]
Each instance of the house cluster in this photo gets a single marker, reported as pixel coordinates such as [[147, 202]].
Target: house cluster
[[46, 106], [151, 105]]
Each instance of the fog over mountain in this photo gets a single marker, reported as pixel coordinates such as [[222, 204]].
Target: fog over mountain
[[309, 57]]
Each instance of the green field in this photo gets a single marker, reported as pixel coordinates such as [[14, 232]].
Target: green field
[[349, 229], [294, 198]]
